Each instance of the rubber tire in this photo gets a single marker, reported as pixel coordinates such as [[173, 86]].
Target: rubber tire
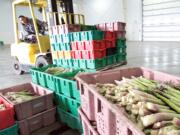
[[42, 61], [17, 67]]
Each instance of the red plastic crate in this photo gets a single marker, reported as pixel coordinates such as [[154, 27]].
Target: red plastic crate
[[29, 108], [120, 34], [110, 119], [37, 121], [7, 115], [110, 43], [95, 54], [88, 128], [109, 35], [94, 45]]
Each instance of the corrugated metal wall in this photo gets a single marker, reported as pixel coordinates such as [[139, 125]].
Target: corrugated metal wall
[[161, 20]]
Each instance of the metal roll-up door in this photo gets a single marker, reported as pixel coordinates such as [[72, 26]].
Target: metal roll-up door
[[161, 20]]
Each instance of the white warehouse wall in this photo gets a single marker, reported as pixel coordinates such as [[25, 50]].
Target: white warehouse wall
[[133, 17], [6, 23], [99, 11]]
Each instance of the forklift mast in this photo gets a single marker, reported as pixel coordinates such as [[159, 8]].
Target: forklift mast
[[54, 5]]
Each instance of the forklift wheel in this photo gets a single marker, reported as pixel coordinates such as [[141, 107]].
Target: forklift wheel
[[42, 61], [17, 67]]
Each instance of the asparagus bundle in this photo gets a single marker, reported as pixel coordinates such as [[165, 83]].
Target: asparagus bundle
[[20, 96], [56, 70], [154, 106]]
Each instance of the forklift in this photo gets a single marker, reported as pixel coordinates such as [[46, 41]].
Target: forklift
[[27, 55]]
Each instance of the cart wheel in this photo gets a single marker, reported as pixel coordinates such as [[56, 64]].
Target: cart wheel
[[42, 61], [17, 67]]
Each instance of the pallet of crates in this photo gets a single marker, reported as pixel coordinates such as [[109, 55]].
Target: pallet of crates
[[88, 49], [111, 119], [33, 107]]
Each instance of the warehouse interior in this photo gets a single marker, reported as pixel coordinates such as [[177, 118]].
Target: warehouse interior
[[152, 35]]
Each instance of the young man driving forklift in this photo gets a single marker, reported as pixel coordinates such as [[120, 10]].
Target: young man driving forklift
[[28, 27]]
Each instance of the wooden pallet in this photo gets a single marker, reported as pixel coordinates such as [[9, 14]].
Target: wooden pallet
[[54, 129], [113, 66]]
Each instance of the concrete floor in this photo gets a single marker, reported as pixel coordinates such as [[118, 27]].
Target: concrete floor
[[162, 56]]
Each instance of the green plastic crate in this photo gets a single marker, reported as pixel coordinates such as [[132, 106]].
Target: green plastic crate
[[35, 74], [53, 47], [10, 131], [121, 49], [40, 77], [69, 119], [82, 64], [111, 59], [97, 63], [121, 57], [53, 39], [88, 27], [124, 56], [76, 63], [55, 61], [121, 42], [67, 104], [92, 35], [76, 36], [66, 86], [65, 47]]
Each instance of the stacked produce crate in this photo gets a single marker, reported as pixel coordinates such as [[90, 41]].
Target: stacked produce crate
[[7, 121], [67, 97], [33, 107], [134, 101], [88, 47]]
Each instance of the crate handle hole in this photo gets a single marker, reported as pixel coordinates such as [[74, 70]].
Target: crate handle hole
[[82, 89], [129, 132], [99, 105]]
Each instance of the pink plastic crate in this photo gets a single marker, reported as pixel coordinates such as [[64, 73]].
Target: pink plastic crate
[[37, 121], [115, 26], [55, 30], [74, 46], [76, 54], [110, 43], [101, 26], [111, 120], [88, 128], [29, 108]]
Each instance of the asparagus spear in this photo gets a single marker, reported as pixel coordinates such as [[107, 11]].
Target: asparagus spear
[[161, 124], [167, 101], [153, 118]]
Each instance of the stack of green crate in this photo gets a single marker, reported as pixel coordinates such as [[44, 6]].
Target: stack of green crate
[[10, 131], [121, 49], [66, 93]]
